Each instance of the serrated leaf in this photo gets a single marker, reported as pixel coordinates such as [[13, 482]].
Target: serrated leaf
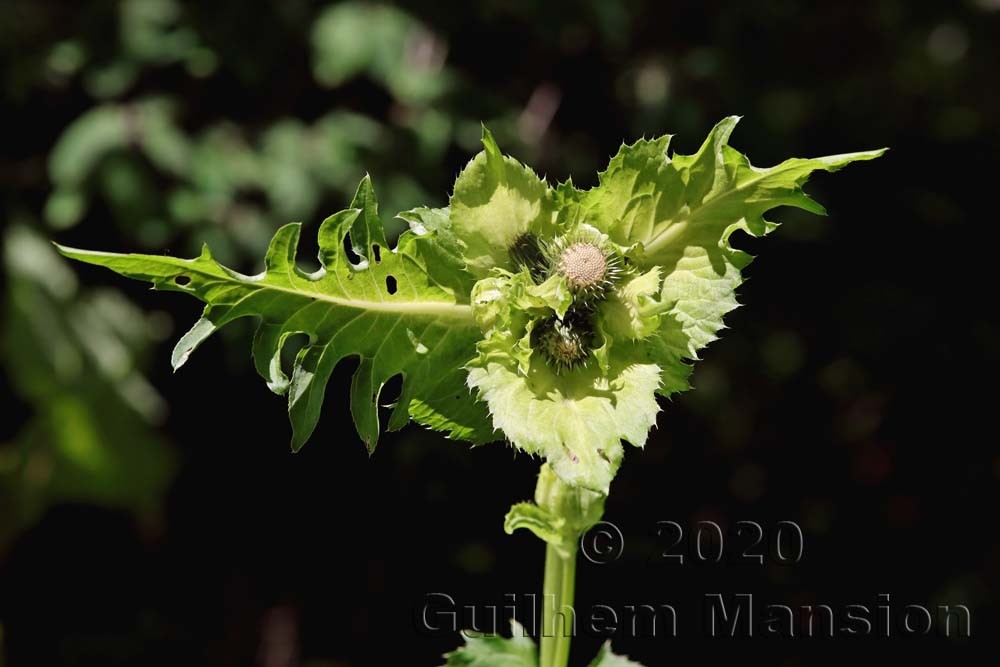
[[497, 200], [605, 658], [386, 310], [495, 651], [577, 421], [682, 210]]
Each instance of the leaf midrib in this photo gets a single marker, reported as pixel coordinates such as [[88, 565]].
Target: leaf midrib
[[435, 309], [665, 235], [658, 240], [429, 308]]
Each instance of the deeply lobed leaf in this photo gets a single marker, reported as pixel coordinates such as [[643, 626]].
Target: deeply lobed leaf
[[398, 311]]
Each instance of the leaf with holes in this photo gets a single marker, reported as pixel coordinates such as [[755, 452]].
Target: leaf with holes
[[388, 309]]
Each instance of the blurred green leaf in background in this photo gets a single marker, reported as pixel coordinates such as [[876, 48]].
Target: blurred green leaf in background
[[76, 356]]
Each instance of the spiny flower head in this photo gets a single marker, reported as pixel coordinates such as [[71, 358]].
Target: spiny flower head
[[526, 252], [566, 343], [587, 261]]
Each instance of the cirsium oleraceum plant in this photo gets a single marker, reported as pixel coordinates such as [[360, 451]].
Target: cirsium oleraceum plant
[[547, 316]]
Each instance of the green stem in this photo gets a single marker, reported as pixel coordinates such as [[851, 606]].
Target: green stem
[[561, 513], [558, 620], [552, 581], [567, 588]]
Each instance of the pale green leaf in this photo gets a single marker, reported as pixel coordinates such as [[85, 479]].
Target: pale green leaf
[[682, 210], [575, 420], [497, 200], [632, 312]]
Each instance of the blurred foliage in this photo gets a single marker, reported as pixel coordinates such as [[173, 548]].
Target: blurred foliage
[[75, 356], [227, 183], [215, 177], [384, 43]]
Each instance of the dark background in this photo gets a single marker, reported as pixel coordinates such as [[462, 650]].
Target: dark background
[[148, 518]]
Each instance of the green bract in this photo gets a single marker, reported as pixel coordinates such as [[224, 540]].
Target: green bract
[[668, 220], [565, 312], [560, 514]]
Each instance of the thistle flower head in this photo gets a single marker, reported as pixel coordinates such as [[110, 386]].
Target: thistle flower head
[[589, 263], [583, 265], [565, 343]]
